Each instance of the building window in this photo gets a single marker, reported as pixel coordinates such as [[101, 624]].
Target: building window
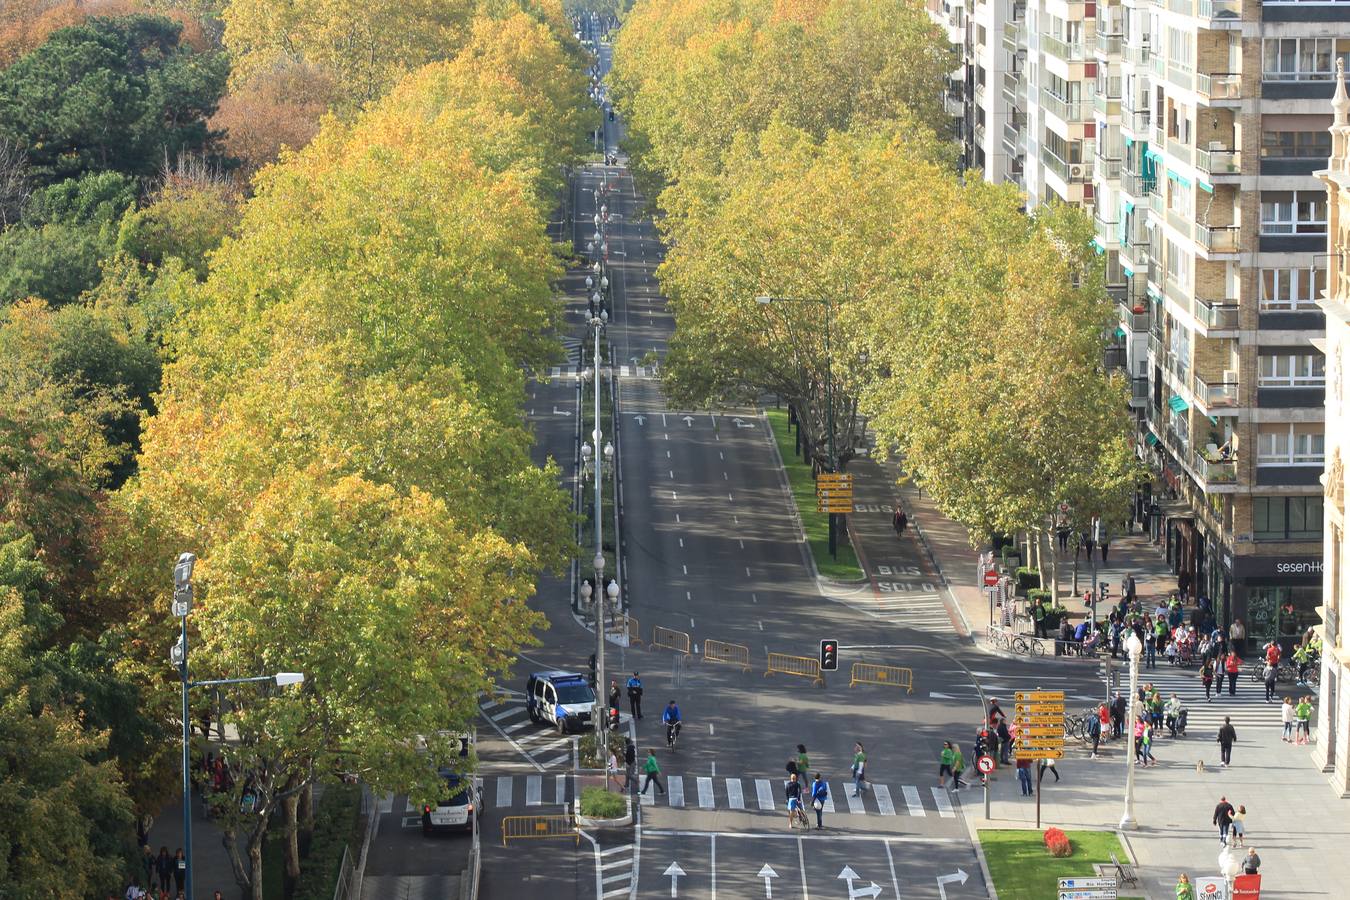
[[1293, 212], [1275, 612], [1293, 444], [1295, 144], [1287, 518], [1292, 370], [1291, 289], [1297, 59]]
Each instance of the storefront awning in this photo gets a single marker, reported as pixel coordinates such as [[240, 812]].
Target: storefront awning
[[1178, 404]]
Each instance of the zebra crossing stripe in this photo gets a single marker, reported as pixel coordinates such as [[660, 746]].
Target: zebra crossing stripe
[[764, 793], [912, 801], [883, 795], [560, 789], [944, 803], [558, 761], [648, 799], [504, 790], [734, 798], [705, 793], [515, 726], [675, 785], [829, 798], [855, 804], [533, 790]]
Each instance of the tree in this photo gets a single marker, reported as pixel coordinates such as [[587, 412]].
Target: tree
[[187, 218], [110, 95], [276, 109]]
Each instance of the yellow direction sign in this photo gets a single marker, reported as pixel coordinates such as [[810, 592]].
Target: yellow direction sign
[[1032, 696], [1033, 731], [1033, 708], [1040, 754], [834, 478]]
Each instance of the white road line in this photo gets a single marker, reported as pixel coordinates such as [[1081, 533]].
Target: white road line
[[705, 793], [675, 786], [734, 797], [558, 761], [618, 892], [534, 785], [610, 879], [747, 571], [648, 799], [829, 798], [764, 793], [612, 850], [912, 800], [883, 795], [560, 789], [510, 713], [516, 727], [855, 804], [503, 791], [944, 803]]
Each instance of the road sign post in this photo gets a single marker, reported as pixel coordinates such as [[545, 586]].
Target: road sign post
[[1039, 717], [1097, 888]]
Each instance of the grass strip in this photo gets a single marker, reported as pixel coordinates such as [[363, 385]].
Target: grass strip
[[815, 524], [1023, 869]]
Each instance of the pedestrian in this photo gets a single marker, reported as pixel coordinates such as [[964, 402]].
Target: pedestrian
[[164, 868], [148, 855], [653, 770], [612, 771], [1231, 667], [613, 699], [1095, 726], [1105, 545], [1117, 715], [958, 766], [859, 765], [1146, 746], [635, 696], [1227, 737], [1223, 817], [792, 790], [1024, 776], [1207, 675], [1239, 827], [1173, 714], [1252, 864], [179, 870], [1185, 890], [1237, 635], [899, 521], [1047, 765], [995, 713], [1303, 715], [945, 761], [1287, 720], [820, 792], [629, 765], [1005, 741], [1271, 672], [803, 761]]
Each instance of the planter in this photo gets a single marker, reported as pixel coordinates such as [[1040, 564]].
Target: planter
[[625, 821]]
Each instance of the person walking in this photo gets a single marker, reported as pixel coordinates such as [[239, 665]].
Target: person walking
[[1303, 716], [653, 770], [629, 765], [899, 521], [1271, 672], [1005, 741], [635, 696], [1227, 737], [1094, 727], [148, 861], [613, 709], [164, 869], [612, 771], [820, 792], [1231, 667], [792, 790], [1024, 776], [1117, 715], [1252, 864], [1128, 589], [1287, 720], [958, 766], [1185, 890], [1237, 635], [1207, 675], [179, 870], [1047, 765], [1146, 746], [1239, 827], [1223, 817], [945, 761], [803, 762], [859, 767]]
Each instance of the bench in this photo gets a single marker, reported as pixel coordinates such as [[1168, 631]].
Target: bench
[[1124, 873]]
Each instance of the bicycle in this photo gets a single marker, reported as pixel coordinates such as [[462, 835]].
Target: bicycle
[[1029, 646], [672, 734], [797, 815]]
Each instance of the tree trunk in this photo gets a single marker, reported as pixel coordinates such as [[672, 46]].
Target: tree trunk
[[1054, 565], [307, 807], [255, 845], [1039, 567], [230, 838], [292, 806]]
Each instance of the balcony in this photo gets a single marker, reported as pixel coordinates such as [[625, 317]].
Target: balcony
[[1136, 54], [1218, 161], [1137, 185], [1011, 81], [1138, 391], [1181, 150], [1211, 472], [1105, 231], [1134, 120], [1069, 173], [1107, 169], [1216, 395], [1218, 86], [1218, 238], [1108, 107], [1069, 52], [1217, 315], [1066, 110], [953, 105], [1014, 40], [1012, 139], [1220, 10], [1109, 44], [1134, 322]]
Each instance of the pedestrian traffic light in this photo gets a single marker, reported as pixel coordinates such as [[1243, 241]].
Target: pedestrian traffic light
[[829, 656], [593, 677]]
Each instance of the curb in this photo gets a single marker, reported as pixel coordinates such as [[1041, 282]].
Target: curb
[[786, 487]]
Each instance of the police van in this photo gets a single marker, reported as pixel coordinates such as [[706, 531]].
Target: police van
[[561, 699]]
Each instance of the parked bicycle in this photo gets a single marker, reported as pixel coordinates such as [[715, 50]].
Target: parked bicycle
[[1017, 643]]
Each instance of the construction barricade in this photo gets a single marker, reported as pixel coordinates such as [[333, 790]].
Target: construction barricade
[[519, 827], [670, 639], [894, 676], [720, 651], [805, 666]]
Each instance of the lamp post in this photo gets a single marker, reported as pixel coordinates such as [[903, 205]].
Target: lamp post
[[178, 655], [1135, 648], [600, 593], [829, 388]]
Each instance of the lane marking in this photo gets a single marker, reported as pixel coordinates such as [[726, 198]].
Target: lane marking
[[944, 803], [503, 790], [855, 804], [734, 797], [829, 798], [705, 792], [534, 790], [675, 785], [560, 789], [912, 800], [763, 793], [883, 795]]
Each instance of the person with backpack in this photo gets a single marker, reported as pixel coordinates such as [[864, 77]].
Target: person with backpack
[[820, 792]]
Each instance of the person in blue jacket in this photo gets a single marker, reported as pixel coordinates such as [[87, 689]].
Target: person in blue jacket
[[820, 792]]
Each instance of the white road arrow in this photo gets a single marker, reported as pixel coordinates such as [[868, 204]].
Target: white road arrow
[[768, 874], [958, 876], [641, 420], [741, 423], [561, 412], [872, 890], [675, 873], [689, 420]]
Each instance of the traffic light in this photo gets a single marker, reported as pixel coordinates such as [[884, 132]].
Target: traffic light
[[593, 677], [829, 656]]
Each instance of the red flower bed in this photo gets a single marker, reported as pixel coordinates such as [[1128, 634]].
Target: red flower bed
[[1057, 842]]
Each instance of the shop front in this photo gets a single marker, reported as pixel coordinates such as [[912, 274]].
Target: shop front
[[1276, 597]]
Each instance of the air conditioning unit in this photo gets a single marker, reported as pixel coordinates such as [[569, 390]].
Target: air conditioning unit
[[1230, 376], [1077, 172]]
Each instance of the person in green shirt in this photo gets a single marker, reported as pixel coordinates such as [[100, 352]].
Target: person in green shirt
[[653, 770], [1303, 715], [946, 760], [958, 766], [803, 762], [859, 765], [1185, 890]]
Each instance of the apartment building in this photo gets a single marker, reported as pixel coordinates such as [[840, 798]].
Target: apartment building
[[1332, 749], [979, 92], [1191, 129]]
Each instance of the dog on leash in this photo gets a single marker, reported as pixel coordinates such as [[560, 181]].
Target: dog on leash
[[1200, 765]]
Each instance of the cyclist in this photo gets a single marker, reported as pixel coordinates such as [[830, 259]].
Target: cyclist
[[672, 719], [793, 790]]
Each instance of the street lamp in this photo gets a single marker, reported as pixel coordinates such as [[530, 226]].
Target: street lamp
[[178, 655], [1135, 648], [765, 300]]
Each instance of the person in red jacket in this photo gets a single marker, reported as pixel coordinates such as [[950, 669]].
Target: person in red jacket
[[1231, 667]]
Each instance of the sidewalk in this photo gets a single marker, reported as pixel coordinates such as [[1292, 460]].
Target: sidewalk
[[1295, 822], [211, 869]]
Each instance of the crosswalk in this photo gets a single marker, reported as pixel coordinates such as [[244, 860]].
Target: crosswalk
[[573, 371], [766, 795], [539, 743], [618, 871], [1247, 709], [920, 610]]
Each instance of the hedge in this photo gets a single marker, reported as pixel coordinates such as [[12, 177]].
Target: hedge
[[1028, 578], [337, 824]]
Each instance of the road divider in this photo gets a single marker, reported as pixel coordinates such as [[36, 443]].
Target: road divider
[[871, 673], [805, 666], [720, 651], [670, 639], [520, 827], [634, 631]]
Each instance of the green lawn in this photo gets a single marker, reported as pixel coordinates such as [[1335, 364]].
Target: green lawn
[[1023, 869], [816, 524]]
